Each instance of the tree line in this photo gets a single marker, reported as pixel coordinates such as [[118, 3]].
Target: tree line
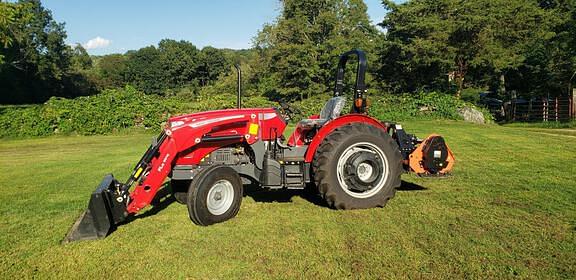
[[171, 65], [36, 63], [454, 46]]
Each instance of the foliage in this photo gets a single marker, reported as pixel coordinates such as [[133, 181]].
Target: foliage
[[8, 12], [525, 46], [163, 69], [431, 105], [36, 59], [178, 62], [550, 64], [112, 110], [111, 70], [472, 95], [211, 64], [298, 53], [144, 70], [428, 39], [35, 62], [115, 110], [402, 107], [80, 59]]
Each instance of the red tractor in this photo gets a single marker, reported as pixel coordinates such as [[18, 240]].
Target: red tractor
[[355, 161]]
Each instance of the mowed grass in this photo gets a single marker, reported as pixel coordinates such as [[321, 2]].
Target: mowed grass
[[508, 211]]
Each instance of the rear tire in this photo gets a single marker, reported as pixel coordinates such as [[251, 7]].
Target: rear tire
[[357, 166], [215, 195], [180, 190]]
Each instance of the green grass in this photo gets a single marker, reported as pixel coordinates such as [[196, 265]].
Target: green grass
[[551, 124], [508, 211]]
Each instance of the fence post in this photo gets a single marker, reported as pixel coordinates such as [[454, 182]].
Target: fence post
[[544, 110], [513, 104], [573, 104], [556, 108]]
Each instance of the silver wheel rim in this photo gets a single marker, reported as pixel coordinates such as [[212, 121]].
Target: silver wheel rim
[[220, 197], [364, 170]]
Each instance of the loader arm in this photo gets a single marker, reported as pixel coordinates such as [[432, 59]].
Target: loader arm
[[150, 173], [112, 202]]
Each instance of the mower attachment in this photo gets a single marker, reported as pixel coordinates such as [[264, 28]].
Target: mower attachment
[[432, 157], [106, 209]]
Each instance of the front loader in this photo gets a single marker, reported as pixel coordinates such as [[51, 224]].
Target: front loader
[[354, 160]]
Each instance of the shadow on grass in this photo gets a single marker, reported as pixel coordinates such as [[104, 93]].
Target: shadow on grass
[[409, 186], [164, 197], [161, 200], [283, 195], [309, 193]]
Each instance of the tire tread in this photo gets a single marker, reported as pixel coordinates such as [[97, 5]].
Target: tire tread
[[326, 153]]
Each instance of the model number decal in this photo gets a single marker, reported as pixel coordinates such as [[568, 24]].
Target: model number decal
[[163, 163]]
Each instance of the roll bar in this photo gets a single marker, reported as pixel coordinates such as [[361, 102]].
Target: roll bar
[[359, 104]]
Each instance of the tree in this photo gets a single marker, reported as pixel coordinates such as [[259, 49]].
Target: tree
[[36, 58], [179, 61], [144, 70], [80, 59], [8, 13], [112, 70], [429, 39], [211, 63], [299, 51], [550, 64]]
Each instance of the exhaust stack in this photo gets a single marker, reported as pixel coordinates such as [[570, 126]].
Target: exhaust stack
[[239, 96]]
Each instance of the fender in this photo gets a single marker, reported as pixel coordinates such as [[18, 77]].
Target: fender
[[336, 123]]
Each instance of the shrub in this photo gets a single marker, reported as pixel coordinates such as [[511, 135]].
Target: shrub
[[126, 108], [431, 105], [107, 112]]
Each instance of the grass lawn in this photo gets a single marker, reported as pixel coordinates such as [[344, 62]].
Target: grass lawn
[[509, 211]]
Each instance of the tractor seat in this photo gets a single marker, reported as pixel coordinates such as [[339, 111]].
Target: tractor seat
[[330, 111]]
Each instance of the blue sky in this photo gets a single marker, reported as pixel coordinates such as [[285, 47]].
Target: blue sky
[[107, 26]]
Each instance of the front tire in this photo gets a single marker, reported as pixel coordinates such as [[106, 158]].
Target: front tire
[[215, 195], [357, 166]]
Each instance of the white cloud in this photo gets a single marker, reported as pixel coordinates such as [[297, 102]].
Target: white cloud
[[97, 43]]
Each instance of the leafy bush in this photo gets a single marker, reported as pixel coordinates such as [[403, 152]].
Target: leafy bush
[[110, 111], [107, 112], [472, 95], [431, 105], [418, 106], [127, 108]]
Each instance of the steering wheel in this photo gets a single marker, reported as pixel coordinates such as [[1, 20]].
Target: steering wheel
[[287, 111]]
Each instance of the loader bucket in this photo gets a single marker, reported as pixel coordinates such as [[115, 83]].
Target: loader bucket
[[105, 210]]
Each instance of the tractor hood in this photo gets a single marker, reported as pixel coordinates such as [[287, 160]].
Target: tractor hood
[[217, 116]]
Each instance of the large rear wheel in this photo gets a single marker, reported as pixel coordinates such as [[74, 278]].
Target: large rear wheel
[[357, 166], [215, 195]]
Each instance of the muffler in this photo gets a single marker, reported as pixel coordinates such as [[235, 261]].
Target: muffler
[[106, 209]]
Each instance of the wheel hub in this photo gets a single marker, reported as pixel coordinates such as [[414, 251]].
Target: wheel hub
[[220, 197], [362, 170]]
